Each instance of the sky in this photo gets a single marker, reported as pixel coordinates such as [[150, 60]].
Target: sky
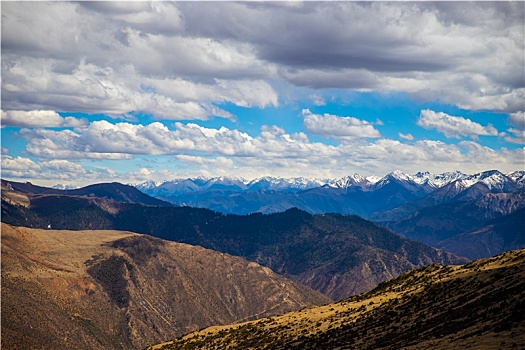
[[134, 91]]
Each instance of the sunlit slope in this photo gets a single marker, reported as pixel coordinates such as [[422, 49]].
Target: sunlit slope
[[480, 305], [120, 290]]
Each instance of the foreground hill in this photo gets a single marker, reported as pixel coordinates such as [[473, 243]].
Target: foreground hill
[[476, 306], [120, 290], [335, 254]]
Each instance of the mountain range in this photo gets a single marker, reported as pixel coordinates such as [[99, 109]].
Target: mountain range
[[107, 266], [350, 195], [430, 208], [338, 255], [476, 306]]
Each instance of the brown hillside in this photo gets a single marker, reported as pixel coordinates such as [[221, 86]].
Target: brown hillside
[[120, 290], [480, 305]]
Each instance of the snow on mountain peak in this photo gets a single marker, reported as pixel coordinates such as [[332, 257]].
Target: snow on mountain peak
[[399, 175], [493, 179], [394, 175]]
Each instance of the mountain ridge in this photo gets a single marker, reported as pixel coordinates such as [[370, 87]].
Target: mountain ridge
[[114, 190], [352, 194], [413, 206], [121, 290], [480, 305], [336, 254]]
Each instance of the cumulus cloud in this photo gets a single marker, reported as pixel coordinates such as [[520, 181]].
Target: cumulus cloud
[[121, 62], [54, 53], [40, 119], [428, 50], [518, 138], [52, 172], [452, 126], [273, 151], [18, 163], [407, 137], [517, 120], [329, 125]]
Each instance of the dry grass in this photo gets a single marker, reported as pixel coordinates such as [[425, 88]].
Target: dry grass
[[15, 198], [477, 306]]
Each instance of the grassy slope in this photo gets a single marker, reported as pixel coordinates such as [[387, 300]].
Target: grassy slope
[[477, 306], [120, 290]]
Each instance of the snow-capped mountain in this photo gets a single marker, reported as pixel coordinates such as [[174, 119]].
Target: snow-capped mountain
[[395, 176], [493, 180], [518, 177], [488, 181], [64, 187], [353, 194], [437, 180], [350, 181], [284, 184], [148, 185]]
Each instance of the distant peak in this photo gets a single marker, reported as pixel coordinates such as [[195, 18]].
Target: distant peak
[[399, 175]]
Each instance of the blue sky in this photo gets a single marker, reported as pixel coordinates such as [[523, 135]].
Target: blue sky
[[136, 91]]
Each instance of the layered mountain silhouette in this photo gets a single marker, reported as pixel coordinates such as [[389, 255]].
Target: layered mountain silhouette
[[120, 290], [430, 208], [480, 306], [81, 277], [338, 255]]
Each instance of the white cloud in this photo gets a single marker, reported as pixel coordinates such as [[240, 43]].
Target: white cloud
[[213, 152], [40, 119], [318, 100], [452, 126], [53, 53], [18, 163], [65, 144], [518, 136], [62, 166], [329, 125], [407, 137], [517, 120], [93, 89], [223, 151], [19, 168]]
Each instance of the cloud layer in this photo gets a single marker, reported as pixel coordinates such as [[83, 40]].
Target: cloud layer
[[176, 60], [226, 151]]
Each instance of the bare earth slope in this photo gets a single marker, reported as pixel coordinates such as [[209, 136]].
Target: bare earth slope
[[480, 305], [120, 290]]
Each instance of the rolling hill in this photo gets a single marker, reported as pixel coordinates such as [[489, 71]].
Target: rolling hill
[[476, 306], [121, 290]]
